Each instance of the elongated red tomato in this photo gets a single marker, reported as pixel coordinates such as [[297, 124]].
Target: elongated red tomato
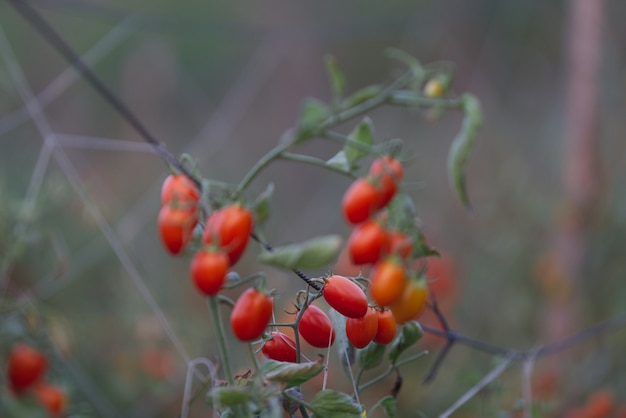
[[387, 327], [361, 331], [180, 189], [176, 226], [400, 244], [368, 241], [345, 296], [280, 348], [360, 201], [232, 226], [386, 173], [251, 315], [25, 366], [51, 397], [208, 271], [387, 282], [411, 303], [315, 327]]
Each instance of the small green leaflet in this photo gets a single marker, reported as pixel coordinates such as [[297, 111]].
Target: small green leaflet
[[388, 403], [371, 356], [314, 253], [262, 205], [363, 134], [411, 332], [313, 113], [291, 374], [331, 404], [462, 145], [337, 79]]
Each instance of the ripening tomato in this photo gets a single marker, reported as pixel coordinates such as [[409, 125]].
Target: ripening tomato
[[315, 327], [360, 201], [361, 331], [345, 296], [51, 397], [280, 348], [400, 244], [25, 366], [434, 88], [386, 173], [176, 226], [387, 327], [411, 303], [600, 404], [208, 271], [387, 282], [251, 315], [233, 225], [180, 189], [368, 242]]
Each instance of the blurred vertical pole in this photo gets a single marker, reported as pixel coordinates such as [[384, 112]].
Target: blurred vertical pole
[[582, 180]]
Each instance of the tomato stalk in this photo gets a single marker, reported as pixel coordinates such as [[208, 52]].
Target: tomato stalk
[[221, 339]]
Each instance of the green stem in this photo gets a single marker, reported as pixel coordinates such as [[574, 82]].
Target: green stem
[[390, 370], [410, 98], [346, 140], [252, 277], [255, 360], [301, 158], [221, 339], [260, 165]]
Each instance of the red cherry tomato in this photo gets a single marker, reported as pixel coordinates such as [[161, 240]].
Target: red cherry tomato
[[368, 242], [361, 331], [208, 271], [233, 225], [411, 303], [176, 226], [25, 366], [280, 348], [387, 282], [251, 315], [180, 189], [360, 201], [387, 327], [400, 244], [315, 327], [386, 173], [51, 397], [345, 296]]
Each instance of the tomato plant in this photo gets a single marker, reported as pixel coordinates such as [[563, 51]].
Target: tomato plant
[[208, 270], [231, 226], [387, 328], [25, 366], [367, 242], [361, 331], [360, 201], [315, 327], [387, 282], [412, 302], [279, 347], [251, 314], [50, 397], [345, 296], [176, 226]]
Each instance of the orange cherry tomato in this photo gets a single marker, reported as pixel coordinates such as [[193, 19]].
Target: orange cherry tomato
[[411, 303], [51, 397], [387, 282], [387, 327], [361, 331]]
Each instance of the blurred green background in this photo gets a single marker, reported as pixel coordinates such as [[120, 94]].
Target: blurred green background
[[222, 81]]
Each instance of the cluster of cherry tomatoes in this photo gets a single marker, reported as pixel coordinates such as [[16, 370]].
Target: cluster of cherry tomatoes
[[26, 367]]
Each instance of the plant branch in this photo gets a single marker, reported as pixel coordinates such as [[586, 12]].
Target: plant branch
[[301, 158]]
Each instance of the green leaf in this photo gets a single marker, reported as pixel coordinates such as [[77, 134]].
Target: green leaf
[[340, 161], [291, 374], [313, 113], [362, 95], [228, 396], [331, 404], [388, 403], [337, 79], [345, 350], [314, 253], [371, 356], [409, 60], [363, 134], [262, 205], [461, 147], [411, 332]]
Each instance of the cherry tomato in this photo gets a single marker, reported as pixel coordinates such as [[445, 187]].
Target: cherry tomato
[[360, 201], [400, 244], [208, 271], [411, 303], [179, 188], [25, 366], [387, 327], [280, 348], [434, 88], [315, 327], [345, 296], [368, 242], [361, 331], [233, 225], [387, 282], [176, 226], [51, 397], [387, 173], [251, 314]]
